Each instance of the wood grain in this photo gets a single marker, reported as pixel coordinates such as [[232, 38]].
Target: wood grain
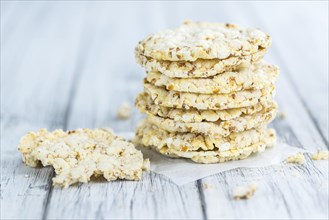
[[71, 64], [306, 72], [279, 196]]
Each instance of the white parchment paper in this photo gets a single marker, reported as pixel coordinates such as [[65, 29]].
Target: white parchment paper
[[182, 171]]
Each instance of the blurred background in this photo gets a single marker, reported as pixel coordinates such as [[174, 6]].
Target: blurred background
[[74, 61], [70, 64]]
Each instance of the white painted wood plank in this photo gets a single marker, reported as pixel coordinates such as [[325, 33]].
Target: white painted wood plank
[[21, 186], [290, 102], [109, 76], [6, 10], [34, 93], [278, 197], [287, 191], [300, 41], [300, 48], [153, 197], [246, 15], [107, 80]]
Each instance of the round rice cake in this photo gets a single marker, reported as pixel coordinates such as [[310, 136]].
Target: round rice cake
[[215, 155], [254, 77], [199, 68], [150, 135], [173, 99], [218, 128], [202, 40], [145, 104]]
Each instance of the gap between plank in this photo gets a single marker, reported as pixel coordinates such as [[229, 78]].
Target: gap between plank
[[202, 199], [77, 75], [50, 191]]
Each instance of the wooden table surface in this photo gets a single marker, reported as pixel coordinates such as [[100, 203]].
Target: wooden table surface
[[71, 64]]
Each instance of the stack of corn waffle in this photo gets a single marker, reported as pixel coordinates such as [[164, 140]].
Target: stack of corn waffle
[[208, 94]]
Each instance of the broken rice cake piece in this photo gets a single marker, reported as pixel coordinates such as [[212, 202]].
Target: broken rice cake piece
[[299, 158], [320, 155], [79, 154], [241, 192], [124, 111]]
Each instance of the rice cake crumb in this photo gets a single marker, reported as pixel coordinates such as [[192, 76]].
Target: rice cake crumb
[[79, 154], [207, 186], [124, 111], [320, 155], [298, 158], [245, 192]]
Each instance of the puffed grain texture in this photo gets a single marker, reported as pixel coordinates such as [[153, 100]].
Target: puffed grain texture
[[252, 77], [77, 155], [218, 128], [150, 135], [172, 99], [202, 40], [145, 104], [198, 68], [216, 156]]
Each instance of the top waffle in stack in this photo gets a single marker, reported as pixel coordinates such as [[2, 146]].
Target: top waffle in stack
[[198, 49], [206, 79]]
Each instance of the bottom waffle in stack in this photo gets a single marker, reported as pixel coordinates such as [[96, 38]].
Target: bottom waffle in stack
[[202, 148]]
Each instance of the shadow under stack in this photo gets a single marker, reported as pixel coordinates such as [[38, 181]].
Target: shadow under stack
[[208, 94]]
